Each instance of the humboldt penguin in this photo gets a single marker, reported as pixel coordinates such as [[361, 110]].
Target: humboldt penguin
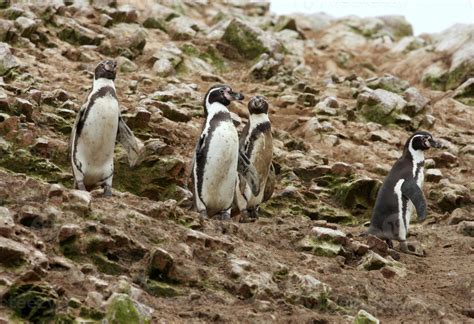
[[98, 124], [402, 193]]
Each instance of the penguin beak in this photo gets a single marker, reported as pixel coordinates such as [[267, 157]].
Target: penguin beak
[[434, 144]]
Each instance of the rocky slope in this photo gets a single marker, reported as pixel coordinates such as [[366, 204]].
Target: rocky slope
[[345, 94]]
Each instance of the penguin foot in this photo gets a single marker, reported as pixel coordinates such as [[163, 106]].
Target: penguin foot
[[225, 215], [404, 249], [80, 185], [107, 191], [246, 217], [203, 214], [389, 243]]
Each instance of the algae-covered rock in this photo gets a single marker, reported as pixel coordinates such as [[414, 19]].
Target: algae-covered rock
[[12, 253], [121, 309], [388, 82], [380, 106], [320, 247], [33, 302], [249, 41], [359, 194], [462, 66], [308, 291], [465, 92], [364, 317], [161, 289], [76, 34]]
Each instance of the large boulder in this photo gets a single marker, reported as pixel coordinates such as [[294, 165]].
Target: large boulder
[[380, 106], [249, 41], [127, 40], [7, 60]]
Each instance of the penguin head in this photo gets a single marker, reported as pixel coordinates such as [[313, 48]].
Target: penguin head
[[106, 69], [422, 141], [221, 93], [258, 105]]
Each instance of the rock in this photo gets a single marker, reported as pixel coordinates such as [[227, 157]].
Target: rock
[[31, 216], [127, 40], [169, 51], [327, 106], [388, 82], [358, 194], [433, 175], [307, 291], [7, 60], [321, 248], [460, 214], [139, 120], [265, 68], [445, 159], [68, 232], [287, 100], [381, 136], [209, 241], [182, 28], [466, 228], [6, 222], [26, 26], [257, 285], [160, 265], [122, 309], [34, 302], [23, 106], [451, 196], [377, 245], [462, 66], [124, 14], [380, 106], [329, 235], [249, 41], [126, 65], [397, 25], [172, 112], [408, 43], [415, 101], [163, 68], [80, 200], [465, 92], [76, 34], [373, 261], [7, 30], [238, 267], [364, 317], [12, 253], [105, 20]]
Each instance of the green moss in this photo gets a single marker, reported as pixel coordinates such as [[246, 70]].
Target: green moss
[[154, 23], [122, 310], [35, 303], [161, 289], [92, 313], [107, 266], [190, 49], [321, 248], [244, 40], [459, 75], [376, 114], [71, 248]]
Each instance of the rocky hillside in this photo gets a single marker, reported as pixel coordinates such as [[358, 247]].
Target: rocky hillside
[[345, 94]]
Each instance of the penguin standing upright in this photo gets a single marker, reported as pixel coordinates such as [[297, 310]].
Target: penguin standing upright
[[256, 143], [217, 159], [401, 193], [97, 126]]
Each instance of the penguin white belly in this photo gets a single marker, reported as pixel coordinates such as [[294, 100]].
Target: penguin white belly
[[95, 146], [220, 171]]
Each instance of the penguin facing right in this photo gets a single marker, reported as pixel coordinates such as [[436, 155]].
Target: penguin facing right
[[216, 156], [402, 193], [256, 143]]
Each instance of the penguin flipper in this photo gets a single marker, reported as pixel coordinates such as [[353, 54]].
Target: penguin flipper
[[411, 191], [248, 172], [129, 141], [79, 117], [270, 184]]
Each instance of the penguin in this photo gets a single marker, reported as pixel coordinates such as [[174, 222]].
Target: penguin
[[217, 159], [98, 124], [402, 193], [256, 143]]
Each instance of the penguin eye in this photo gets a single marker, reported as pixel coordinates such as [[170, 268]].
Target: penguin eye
[[221, 91]]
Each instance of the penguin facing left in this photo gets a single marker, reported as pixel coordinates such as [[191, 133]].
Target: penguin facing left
[[256, 143], [402, 193], [98, 124]]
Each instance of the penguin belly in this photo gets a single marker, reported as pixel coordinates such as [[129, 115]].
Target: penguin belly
[[220, 169], [95, 146]]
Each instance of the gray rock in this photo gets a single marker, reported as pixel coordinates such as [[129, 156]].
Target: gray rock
[[76, 34], [460, 214], [249, 41], [433, 175], [363, 317], [26, 26], [7, 60], [465, 92], [163, 68], [415, 101], [68, 231], [397, 25], [380, 106], [307, 290], [182, 28], [160, 265], [127, 40], [466, 228], [126, 65], [30, 216], [408, 43], [388, 82], [6, 222], [118, 304], [170, 52], [451, 196], [80, 199], [462, 66], [257, 285], [124, 14], [238, 267], [330, 235], [12, 253], [105, 20], [7, 30], [265, 68]]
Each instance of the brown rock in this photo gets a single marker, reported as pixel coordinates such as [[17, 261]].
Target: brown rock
[[377, 245], [6, 222], [68, 231]]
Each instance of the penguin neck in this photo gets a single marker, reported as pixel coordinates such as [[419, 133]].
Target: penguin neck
[[256, 119], [215, 108], [102, 82]]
